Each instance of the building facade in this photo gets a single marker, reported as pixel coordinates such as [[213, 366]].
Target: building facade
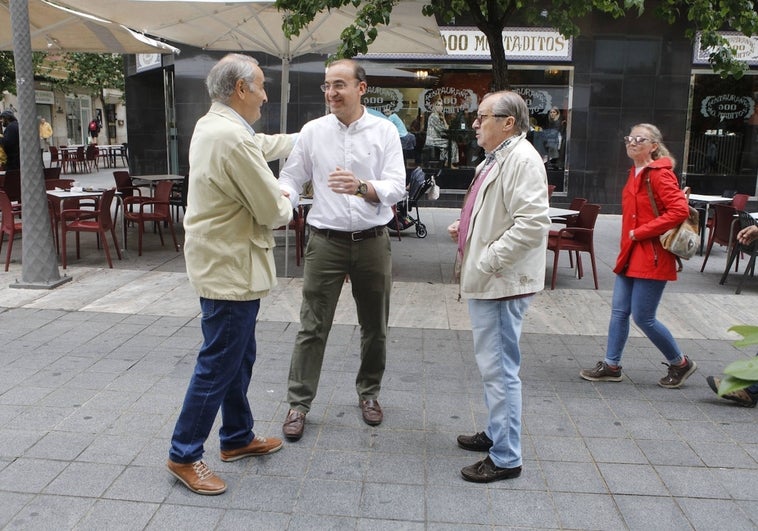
[[616, 74]]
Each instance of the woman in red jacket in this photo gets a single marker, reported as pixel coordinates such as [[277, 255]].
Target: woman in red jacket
[[643, 266]]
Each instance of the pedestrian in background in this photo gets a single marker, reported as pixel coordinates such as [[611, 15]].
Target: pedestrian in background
[[643, 266], [45, 134], [233, 202], [9, 140], [501, 237], [355, 161]]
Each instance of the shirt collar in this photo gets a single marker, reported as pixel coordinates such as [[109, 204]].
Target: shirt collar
[[240, 118]]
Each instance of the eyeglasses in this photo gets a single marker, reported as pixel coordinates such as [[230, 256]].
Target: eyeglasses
[[635, 140], [481, 117], [338, 86]]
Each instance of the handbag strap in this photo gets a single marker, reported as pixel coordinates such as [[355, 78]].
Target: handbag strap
[[679, 264], [650, 195]]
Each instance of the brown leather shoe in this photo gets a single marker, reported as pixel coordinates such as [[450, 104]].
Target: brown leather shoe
[[372, 412], [258, 446], [197, 477], [294, 425]]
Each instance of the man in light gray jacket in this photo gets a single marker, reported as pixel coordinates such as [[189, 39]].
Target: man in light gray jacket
[[234, 201], [501, 240]]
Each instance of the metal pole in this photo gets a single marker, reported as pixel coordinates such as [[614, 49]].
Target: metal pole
[[39, 264]]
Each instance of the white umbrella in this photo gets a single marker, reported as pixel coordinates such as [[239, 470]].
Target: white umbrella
[[257, 26], [62, 30]]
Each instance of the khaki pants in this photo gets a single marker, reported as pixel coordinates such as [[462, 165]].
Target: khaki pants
[[327, 261]]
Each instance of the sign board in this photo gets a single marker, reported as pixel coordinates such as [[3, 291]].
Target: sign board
[[532, 44], [747, 48], [382, 98], [45, 97], [454, 99], [148, 61], [727, 107]]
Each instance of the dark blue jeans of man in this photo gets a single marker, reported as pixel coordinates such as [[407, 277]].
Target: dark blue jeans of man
[[222, 375]]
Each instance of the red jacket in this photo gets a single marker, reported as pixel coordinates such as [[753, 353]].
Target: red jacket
[[644, 257]]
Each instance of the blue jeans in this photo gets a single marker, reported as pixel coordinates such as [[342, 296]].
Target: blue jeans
[[222, 375], [496, 328], [638, 297]]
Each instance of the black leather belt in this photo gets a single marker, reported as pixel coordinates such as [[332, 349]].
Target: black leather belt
[[355, 236]]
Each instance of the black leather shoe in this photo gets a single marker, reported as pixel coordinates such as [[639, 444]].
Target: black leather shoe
[[372, 412], [478, 442], [294, 425], [485, 471]]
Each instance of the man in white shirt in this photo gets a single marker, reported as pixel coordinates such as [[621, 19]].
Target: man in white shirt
[[355, 163]]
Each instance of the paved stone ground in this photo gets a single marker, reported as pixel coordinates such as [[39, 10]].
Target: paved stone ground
[[88, 400]]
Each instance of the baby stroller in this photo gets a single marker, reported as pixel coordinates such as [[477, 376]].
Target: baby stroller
[[419, 183]]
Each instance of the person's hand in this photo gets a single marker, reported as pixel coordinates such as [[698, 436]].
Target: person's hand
[[747, 235], [452, 230], [343, 182]]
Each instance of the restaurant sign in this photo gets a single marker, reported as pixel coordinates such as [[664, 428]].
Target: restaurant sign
[[382, 98], [746, 48], [519, 43], [454, 99], [538, 101], [727, 107]]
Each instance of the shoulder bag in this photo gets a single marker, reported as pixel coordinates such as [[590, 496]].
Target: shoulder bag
[[684, 239]]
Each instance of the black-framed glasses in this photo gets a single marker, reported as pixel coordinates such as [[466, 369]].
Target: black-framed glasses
[[481, 117], [635, 140], [338, 86]]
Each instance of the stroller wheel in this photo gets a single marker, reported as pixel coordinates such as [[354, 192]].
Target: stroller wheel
[[421, 230]]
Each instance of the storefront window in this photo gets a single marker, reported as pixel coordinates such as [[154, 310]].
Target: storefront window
[[722, 150], [440, 112]]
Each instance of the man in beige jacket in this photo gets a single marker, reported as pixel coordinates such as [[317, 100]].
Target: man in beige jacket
[[501, 240], [234, 201]]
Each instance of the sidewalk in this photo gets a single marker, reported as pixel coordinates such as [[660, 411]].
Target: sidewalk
[[95, 372]]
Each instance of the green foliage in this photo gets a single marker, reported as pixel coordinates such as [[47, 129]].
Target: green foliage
[[707, 16], [741, 373], [93, 71], [710, 17], [80, 70], [8, 70]]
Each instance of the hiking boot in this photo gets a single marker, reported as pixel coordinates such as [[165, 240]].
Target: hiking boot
[[197, 477], [677, 374], [479, 442], [602, 373], [742, 396]]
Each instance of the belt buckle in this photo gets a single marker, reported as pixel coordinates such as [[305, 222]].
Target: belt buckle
[[353, 238]]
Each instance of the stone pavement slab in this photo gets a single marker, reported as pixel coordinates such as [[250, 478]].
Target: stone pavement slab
[[94, 373]]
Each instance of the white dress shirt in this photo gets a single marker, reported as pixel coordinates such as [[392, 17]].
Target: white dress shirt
[[369, 147]]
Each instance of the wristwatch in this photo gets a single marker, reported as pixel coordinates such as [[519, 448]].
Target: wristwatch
[[362, 189]]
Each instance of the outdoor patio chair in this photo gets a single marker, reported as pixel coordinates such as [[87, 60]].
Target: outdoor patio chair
[[578, 238], [742, 221], [8, 226], [570, 221], [724, 232], [74, 220], [55, 157], [160, 211]]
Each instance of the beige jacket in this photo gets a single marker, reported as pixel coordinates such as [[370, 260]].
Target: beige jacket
[[506, 243], [234, 201]]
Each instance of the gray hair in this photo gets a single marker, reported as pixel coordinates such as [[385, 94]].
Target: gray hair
[[223, 77], [509, 103], [657, 137]]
